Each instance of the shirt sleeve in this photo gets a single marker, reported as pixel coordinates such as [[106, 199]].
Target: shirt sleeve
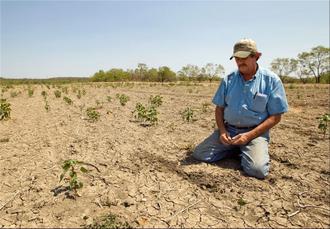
[[277, 103], [219, 97]]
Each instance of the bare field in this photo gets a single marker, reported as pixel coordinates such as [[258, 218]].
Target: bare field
[[146, 175]]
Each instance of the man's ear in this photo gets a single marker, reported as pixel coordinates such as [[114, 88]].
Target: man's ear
[[258, 55]]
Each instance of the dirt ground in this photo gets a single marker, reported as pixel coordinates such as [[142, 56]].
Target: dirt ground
[[146, 175]]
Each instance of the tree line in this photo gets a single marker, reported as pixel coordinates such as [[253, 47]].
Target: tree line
[[314, 64], [189, 72], [308, 67]]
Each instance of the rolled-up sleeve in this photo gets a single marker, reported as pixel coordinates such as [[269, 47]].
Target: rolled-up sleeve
[[277, 103]]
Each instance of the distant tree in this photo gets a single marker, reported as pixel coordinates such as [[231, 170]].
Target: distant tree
[[142, 71], [165, 74], [302, 72], [317, 61], [99, 76], [213, 71], [117, 74], [191, 71], [152, 74], [283, 66]]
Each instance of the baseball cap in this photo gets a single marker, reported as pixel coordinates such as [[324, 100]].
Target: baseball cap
[[244, 47]]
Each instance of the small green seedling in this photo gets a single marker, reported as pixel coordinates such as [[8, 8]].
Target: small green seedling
[[30, 92], [44, 94], [145, 114], [151, 115], [67, 100], [79, 94], [47, 107], [188, 114], [4, 109], [123, 99], [241, 202], [140, 112], [156, 101], [323, 123], [73, 182], [109, 221], [57, 93], [93, 114], [99, 104], [109, 98]]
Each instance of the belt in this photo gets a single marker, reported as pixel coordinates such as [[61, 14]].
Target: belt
[[240, 127]]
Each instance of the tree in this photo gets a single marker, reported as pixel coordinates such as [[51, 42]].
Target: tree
[[99, 76], [317, 61], [191, 71], [117, 74], [213, 71], [302, 72], [166, 74], [152, 74], [142, 71], [283, 66]]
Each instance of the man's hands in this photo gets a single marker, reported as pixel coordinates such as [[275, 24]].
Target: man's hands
[[240, 139], [225, 138]]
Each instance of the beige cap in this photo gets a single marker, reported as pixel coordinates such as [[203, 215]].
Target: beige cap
[[244, 47]]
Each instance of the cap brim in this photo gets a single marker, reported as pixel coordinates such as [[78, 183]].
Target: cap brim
[[241, 54]]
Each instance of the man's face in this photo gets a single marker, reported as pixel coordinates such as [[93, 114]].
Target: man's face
[[246, 65]]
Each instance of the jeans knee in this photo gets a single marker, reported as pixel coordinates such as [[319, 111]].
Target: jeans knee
[[257, 170], [201, 156]]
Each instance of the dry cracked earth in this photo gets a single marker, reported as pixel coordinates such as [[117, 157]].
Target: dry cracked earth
[[144, 174]]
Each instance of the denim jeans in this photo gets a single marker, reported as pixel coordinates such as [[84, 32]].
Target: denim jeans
[[254, 155]]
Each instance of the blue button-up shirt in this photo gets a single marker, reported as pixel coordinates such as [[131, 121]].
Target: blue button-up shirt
[[248, 103]]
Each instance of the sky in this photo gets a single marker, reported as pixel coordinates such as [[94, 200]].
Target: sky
[[42, 39]]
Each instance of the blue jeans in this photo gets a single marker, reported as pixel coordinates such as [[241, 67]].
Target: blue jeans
[[254, 155]]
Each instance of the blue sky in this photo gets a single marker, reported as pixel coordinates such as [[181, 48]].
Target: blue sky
[[41, 39]]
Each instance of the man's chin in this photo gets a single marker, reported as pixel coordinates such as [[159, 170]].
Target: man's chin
[[242, 69]]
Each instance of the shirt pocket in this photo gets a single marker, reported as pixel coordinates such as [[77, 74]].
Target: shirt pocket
[[259, 102]]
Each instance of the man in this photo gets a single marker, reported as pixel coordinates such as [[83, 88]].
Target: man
[[249, 102]]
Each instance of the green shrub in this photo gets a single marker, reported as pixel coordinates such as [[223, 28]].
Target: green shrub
[[4, 109], [81, 93], [323, 123], [241, 202], [109, 221], [156, 100], [67, 100], [47, 107], [146, 114], [44, 93], [30, 92], [73, 182], [57, 93], [188, 114], [93, 115], [123, 99]]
